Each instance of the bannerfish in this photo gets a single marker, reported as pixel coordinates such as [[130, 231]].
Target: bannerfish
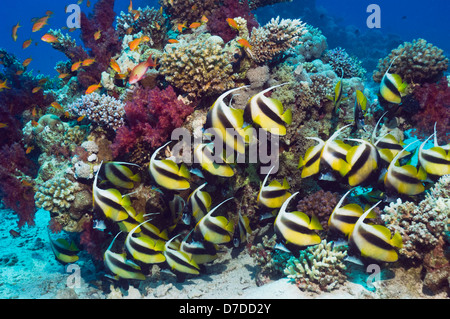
[[241, 230], [392, 86], [296, 227], [120, 266], [359, 110], [167, 174], [435, 160], [343, 219], [273, 195], [144, 248], [338, 97], [179, 261], [214, 229], [120, 175], [211, 162], [64, 252], [363, 160], [268, 113], [332, 152], [375, 241], [198, 205], [404, 179], [201, 252], [110, 201]]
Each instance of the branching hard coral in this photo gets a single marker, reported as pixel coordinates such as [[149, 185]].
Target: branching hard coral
[[16, 188], [313, 44], [188, 11], [104, 110], [434, 101], [343, 62], [417, 61], [151, 117], [150, 22], [67, 45], [318, 268], [420, 225], [276, 37], [197, 66]]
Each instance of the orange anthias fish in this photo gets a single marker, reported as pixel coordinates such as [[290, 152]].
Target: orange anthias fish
[[14, 31], [232, 23], [27, 62], [57, 106], [49, 38], [93, 88], [97, 35], [26, 43], [244, 43], [3, 125], [3, 86], [76, 66], [115, 66], [39, 24], [134, 44], [139, 71], [36, 89], [137, 14], [181, 27], [63, 75], [195, 25], [173, 41], [29, 149], [88, 62], [204, 19], [130, 7], [81, 118]]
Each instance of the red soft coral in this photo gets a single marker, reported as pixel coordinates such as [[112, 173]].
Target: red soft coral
[[151, 116], [434, 100], [17, 194]]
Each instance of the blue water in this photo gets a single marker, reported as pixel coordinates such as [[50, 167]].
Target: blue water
[[407, 20]]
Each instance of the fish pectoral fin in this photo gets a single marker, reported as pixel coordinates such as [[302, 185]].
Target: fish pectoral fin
[[301, 163]]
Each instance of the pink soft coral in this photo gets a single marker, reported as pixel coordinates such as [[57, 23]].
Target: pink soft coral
[[434, 100], [151, 116]]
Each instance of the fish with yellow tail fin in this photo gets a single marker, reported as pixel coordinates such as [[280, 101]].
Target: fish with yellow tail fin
[[64, 252], [268, 113], [128, 224], [272, 196], [387, 145], [120, 175], [214, 229], [227, 123], [179, 261], [241, 230], [375, 241], [120, 266], [359, 111], [344, 218], [201, 252], [435, 160], [405, 179], [143, 248], [151, 230], [167, 174], [14, 31], [338, 97], [212, 163], [392, 86], [363, 160], [331, 152], [297, 228], [110, 201], [198, 205]]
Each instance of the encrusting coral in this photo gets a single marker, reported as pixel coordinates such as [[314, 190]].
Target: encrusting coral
[[417, 61], [274, 38]]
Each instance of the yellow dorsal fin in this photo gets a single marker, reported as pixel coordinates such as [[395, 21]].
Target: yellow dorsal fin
[[286, 184], [275, 183], [397, 240], [184, 171], [386, 233], [171, 165]]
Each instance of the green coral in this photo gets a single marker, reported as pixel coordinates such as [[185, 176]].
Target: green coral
[[318, 268]]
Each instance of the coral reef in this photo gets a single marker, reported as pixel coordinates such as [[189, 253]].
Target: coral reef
[[312, 44], [420, 224], [318, 268], [104, 110], [320, 204], [273, 39], [417, 61], [197, 66], [188, 11], [343, 63]]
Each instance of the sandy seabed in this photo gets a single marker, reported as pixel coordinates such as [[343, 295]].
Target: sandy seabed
[[28, 270]]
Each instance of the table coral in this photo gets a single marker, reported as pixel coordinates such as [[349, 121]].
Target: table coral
[[421, 224], [318, 268], [274, 38], [198, 66], [104, 110], [417, 61]]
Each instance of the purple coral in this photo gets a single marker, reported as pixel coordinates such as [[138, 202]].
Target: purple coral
[[151, 116]]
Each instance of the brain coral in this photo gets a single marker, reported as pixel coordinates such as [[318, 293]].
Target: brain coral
[[198, 66], [416, 62], [270, 41], [102, 109]]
